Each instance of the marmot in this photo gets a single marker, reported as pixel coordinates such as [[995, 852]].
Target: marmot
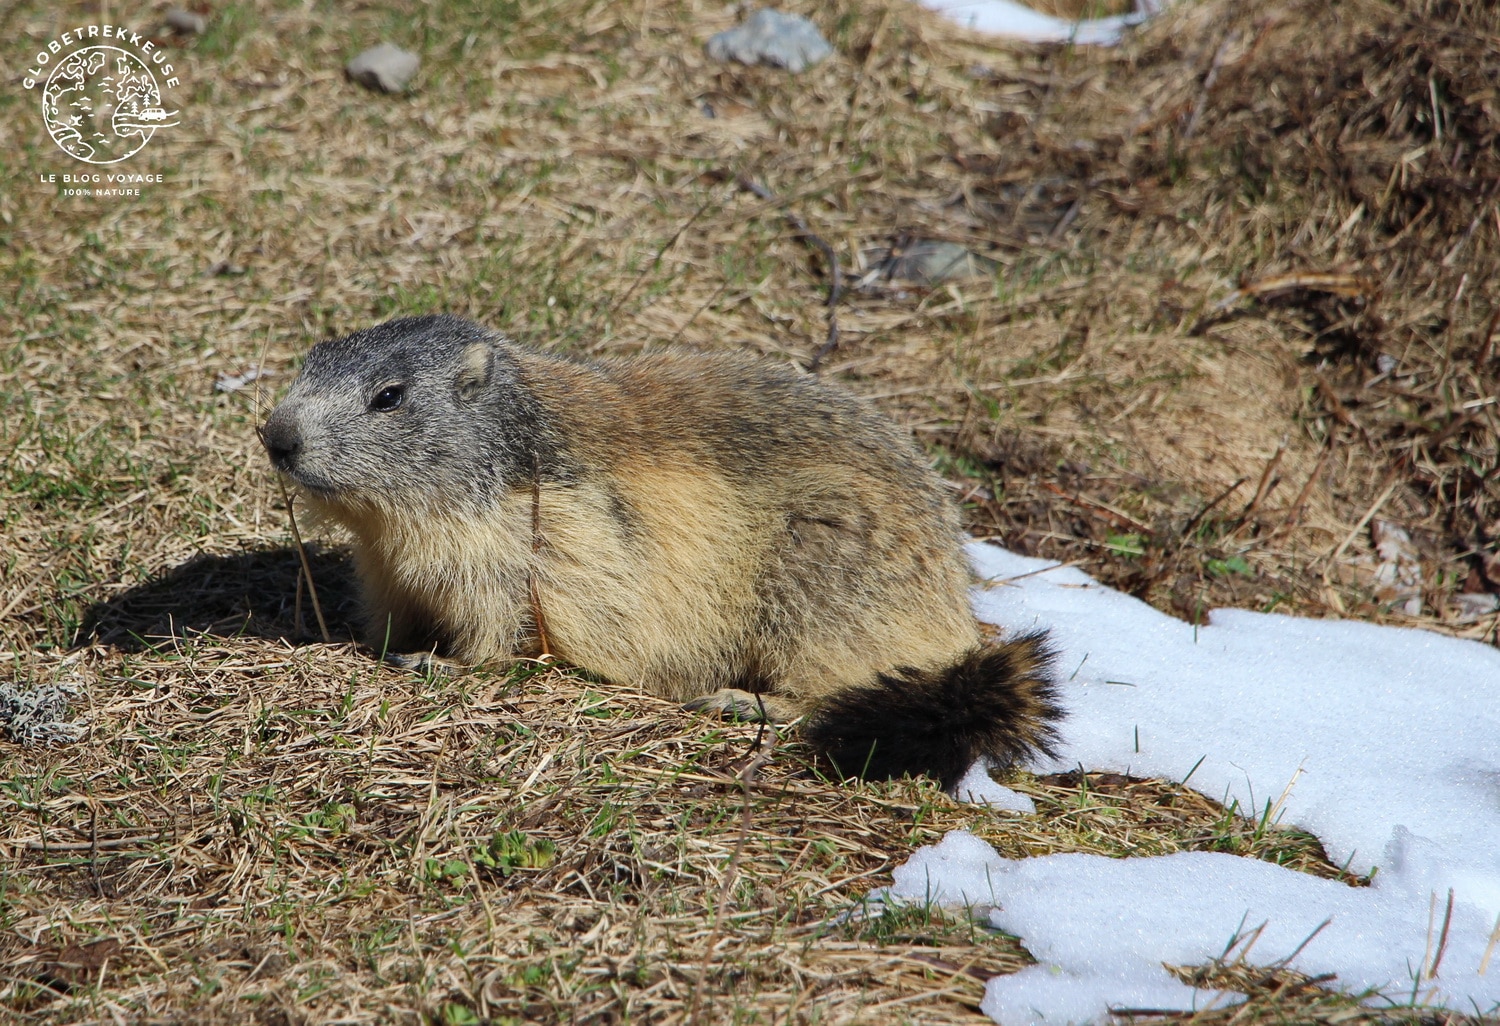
[[718, 530]]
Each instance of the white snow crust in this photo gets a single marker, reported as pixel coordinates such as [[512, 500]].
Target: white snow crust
[[979, 788], [1017, 21], [1384, 742]]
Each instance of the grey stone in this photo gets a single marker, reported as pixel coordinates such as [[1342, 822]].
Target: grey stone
[[931, 262], [385, 67], [187, 23], [1476, 606], [769, 37], [37, 715], [235, 382]]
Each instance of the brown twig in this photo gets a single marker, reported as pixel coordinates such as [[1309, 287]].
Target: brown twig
[[94, 849], [1187, 528], [1335, 406], [1099, 509], [1487, 345], [1442, 947], [312, 588], [1265, 484], [544, 646], [297, 620], [1489, 949], [614, 307], [1348, 286], [1388, 488], [1209, 81], [1290, 520]]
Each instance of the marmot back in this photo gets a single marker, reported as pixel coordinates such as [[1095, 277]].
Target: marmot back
[[721, 531]]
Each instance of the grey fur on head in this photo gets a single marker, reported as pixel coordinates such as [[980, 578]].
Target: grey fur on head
[[420, 406]]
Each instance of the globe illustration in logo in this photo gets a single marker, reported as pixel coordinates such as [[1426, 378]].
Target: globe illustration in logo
[[101, 104]]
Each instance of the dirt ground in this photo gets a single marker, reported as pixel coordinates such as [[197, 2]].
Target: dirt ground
[[1230, 342]]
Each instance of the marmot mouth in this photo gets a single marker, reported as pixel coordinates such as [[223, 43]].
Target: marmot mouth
[[318, 487]]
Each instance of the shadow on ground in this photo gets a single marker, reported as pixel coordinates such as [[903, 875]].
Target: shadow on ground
[[251, 594]]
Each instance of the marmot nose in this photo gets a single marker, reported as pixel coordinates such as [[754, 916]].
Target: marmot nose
[[282, 440]]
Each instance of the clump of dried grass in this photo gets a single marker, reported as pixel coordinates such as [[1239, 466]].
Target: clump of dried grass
[[257, 833], [1376, 161], [1317, 183]]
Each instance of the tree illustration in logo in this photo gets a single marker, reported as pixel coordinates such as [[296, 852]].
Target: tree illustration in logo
[[101, 105]]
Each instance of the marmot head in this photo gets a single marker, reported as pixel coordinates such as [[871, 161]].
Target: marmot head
[[417, 414]]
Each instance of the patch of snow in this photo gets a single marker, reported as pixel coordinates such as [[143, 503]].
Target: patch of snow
[[979, 788], [771, 38], [235, 382], [386, 68], [1101, 929], [961, 870], [1382, 741], [1348, 730], [1017, 21]]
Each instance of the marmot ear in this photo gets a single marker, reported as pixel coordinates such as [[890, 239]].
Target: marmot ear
[[474, 370]]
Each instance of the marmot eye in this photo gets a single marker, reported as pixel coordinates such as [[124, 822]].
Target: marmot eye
[[388, 398]]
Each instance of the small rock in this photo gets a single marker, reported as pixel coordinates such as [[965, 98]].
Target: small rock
[[187, 23], [38, 715], [1476, 605], [385, 67], [930, 262], [769, 37], [1398, 578], [235, 382]]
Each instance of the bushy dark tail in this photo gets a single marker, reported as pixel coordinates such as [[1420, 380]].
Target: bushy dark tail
[[999, 700]]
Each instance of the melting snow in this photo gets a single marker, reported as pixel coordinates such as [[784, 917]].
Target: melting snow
[[1017, 21], [1382, 741]]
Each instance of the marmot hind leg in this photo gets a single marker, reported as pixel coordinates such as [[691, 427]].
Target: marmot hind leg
[[746, 706], [425, 664]]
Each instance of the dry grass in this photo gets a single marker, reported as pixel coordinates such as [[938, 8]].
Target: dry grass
[[1286, 333], [260, 828], [376, 848], [261, 832]]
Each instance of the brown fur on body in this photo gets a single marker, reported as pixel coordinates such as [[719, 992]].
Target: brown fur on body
[[708, 527]]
